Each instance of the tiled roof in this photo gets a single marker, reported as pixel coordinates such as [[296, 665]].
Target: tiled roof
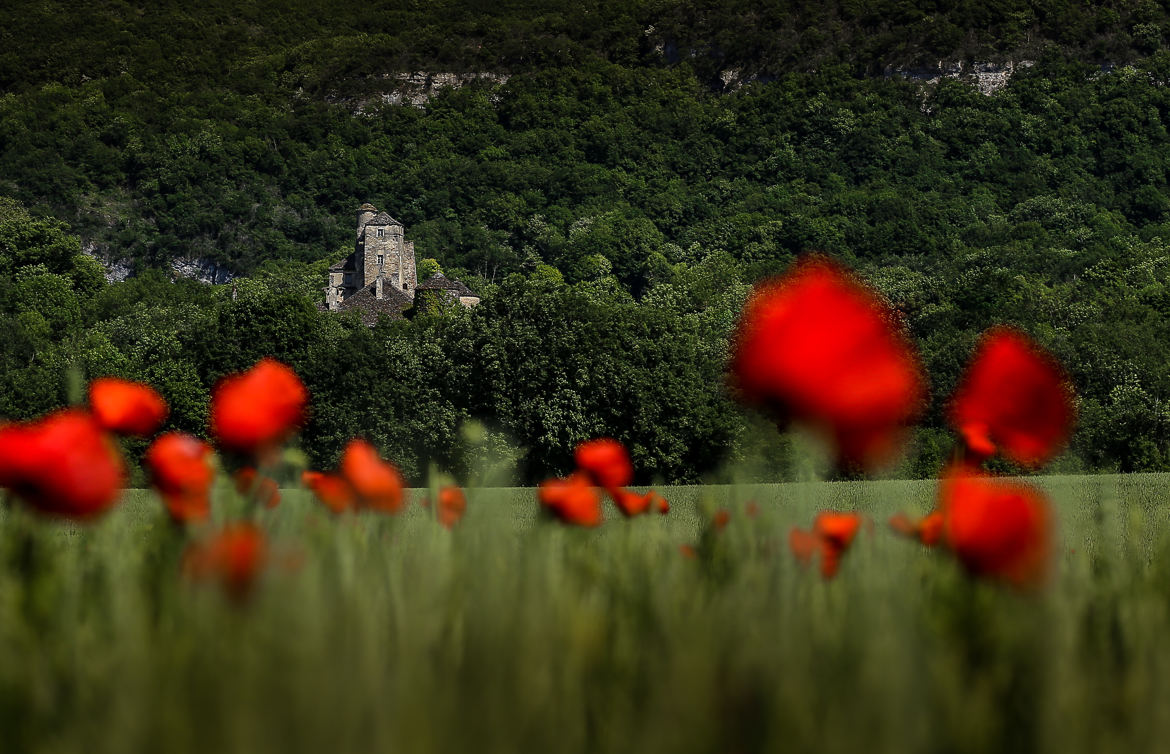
[[393, 303], [440, 282], [463, 289], [383, 218]]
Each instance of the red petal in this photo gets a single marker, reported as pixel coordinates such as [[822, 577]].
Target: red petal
[[63, 464], [180, 470], [330, 489], [452, 505], [824, 349], [631, 503], [837, 528], [263, 489], [1013, 397], [258, 410], [803, 544], [573, 500], [830, 559], [998, 529], [235, 556], [377, 483], [125, 407], [606, 461], [926, 530]]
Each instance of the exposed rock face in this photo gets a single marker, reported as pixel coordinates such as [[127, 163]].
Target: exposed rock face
[[989, 78], [117, 270], [204, 270], [417, 88]]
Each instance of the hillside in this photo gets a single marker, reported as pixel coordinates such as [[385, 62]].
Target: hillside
[[632, 165]]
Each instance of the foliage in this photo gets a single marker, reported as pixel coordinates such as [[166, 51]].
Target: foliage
[[604, 184]]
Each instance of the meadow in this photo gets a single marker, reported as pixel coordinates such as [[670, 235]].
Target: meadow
[[514, 633]]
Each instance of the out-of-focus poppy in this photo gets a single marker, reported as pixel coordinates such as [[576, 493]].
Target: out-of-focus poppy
[[125, 407], [1013, 398], [452, 505], [824, 349], [720, 520], [180, 471], [752, 509], [573, 500], [606, 461], [377, 483], [262, 488], [837, 528], [997, 529], [235, 556], [661, 504], [631, 503], [927, 530], [688, 551], [831, 536], [256, 411], [330, 489], [804, 544], [63, 464]]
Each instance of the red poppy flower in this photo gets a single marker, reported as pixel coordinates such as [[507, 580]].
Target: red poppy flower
[[180, 471], [376, 483], [235, 557], [63, 464], [661, 504], [720, 520], [125, 407], [606, 461], [631, 503], [330, 489], [263, 489], [573, 500], [1014, 398], [831, 536], [255, 412], [452, 505], [804, 544], [837, 528], [998, 529], [824, 349], [927, 530]]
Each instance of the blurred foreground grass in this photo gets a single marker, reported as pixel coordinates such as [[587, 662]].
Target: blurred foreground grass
[[514, 634]]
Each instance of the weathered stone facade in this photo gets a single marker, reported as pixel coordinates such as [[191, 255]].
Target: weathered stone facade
[[379, 277], [382, 259]]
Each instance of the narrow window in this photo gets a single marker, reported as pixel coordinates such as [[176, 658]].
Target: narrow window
[[380, 232], [380, 258]]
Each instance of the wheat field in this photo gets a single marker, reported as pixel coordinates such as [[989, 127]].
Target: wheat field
[[514, 633]]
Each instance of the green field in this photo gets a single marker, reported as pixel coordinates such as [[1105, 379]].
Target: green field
[[512, 633]]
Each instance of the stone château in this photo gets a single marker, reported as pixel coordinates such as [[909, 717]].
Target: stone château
[[379, 277]]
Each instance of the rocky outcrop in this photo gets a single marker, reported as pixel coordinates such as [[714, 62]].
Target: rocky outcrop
[[988, 78], [204, 270], [415, 89], [117, 270]]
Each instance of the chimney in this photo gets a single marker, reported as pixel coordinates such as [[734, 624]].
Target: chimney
[[378, 288]]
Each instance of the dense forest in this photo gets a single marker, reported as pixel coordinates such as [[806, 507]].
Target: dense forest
[[611, 201]]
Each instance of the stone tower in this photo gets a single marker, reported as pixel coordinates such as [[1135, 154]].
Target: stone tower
[[381, 267], [383, 252]]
